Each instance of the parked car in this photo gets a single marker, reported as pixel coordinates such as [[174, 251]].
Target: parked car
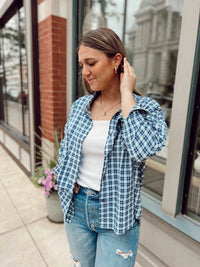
[[13, 95], [16, 96]]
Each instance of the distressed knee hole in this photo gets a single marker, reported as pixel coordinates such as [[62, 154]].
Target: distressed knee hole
[[123, 254], [77, 263]]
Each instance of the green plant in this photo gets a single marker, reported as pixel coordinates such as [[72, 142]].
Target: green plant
[[42, 154], [43, 175]]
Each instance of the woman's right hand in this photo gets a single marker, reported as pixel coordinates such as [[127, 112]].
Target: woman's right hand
[[127, 78]]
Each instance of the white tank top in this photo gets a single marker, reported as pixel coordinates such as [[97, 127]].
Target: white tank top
[[92, 160]]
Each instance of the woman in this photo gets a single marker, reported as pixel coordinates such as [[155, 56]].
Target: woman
[[109, 135]]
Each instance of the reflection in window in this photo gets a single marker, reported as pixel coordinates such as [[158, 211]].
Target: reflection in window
[[150, 31], [193, 208], [14, 74]]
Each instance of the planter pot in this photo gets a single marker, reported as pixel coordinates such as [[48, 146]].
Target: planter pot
[[54, 210]]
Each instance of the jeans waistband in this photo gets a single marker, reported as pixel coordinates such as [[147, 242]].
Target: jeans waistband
[[87, 191]]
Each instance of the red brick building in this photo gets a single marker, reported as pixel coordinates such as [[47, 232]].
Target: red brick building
[[52, 57]]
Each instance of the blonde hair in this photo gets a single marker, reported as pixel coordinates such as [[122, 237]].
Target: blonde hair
[[106, 41]]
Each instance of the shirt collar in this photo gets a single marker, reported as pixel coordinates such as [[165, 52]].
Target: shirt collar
[[89, 101], [118, 115]]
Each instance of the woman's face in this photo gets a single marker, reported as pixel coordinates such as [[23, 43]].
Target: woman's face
[[97, 68]]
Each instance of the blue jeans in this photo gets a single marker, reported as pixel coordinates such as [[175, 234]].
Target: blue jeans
[[92, 246]]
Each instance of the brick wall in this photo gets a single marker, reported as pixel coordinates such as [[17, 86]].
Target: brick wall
[[52, 56]]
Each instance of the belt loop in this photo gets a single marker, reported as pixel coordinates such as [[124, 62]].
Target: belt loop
[[76, 188]]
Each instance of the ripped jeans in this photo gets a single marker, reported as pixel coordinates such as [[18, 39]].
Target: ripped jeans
[[92, 246]]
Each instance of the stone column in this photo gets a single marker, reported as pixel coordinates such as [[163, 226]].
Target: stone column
[[149, 71], [169, 25], [164, 69], [155, 19]]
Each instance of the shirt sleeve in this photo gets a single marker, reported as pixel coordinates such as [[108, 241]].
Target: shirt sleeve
[[144, 130], [63, 151], [63, 145]]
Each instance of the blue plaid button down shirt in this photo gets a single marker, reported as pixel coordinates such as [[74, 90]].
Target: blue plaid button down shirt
[[130, 142]]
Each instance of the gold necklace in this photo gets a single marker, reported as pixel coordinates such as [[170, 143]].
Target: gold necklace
[[106, 111]]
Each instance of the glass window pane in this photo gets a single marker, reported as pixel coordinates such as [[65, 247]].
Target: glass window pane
[[153, 43], [150, 31], [2, 81], [12, 73], [24, 73], [14, 80], [193, 208]]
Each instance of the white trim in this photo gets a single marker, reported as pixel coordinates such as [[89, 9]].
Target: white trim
[[180, 104], [1, 136], [27, 8], [166, 244], [69, 54], [183, 223], [25, 159], [12, 145], [148, 259], [52, 7]]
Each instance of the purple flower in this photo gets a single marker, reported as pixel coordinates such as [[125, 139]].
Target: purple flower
[[47, 193], [55, 187], [49, 176], [41, 180], [48, 182], [47, 171], [51, 184], [47, 185]]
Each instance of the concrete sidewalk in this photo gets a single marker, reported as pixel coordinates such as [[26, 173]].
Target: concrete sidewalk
[[27, 237]]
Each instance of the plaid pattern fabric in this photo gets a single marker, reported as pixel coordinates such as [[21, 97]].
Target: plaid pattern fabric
[[129, 143]]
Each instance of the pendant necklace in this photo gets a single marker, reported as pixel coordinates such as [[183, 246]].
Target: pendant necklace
[[106, 111]]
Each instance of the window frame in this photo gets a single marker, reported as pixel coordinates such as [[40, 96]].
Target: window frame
[[9, 9], [32, 50], [4, 120], [174, 182], [32, 43], [191, 126]]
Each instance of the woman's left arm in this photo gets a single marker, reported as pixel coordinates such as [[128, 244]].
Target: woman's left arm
[[144, 130], [143, 127]]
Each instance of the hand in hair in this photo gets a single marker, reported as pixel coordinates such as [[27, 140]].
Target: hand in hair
[[127, 78], [127, 85]]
